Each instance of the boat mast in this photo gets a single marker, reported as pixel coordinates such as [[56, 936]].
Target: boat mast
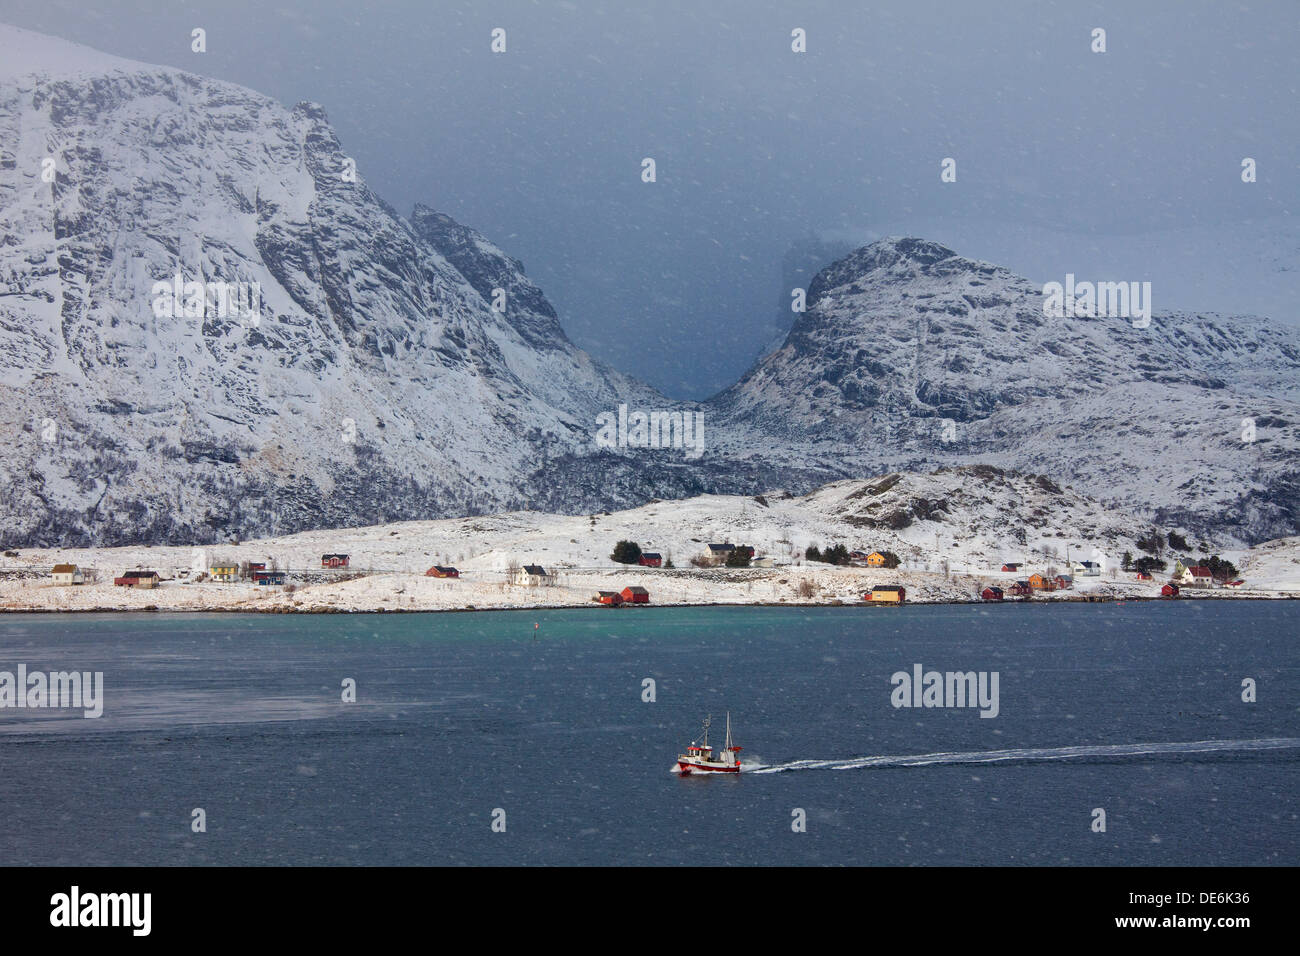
[[728, 747]]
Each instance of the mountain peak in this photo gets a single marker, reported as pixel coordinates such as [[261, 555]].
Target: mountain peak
[[897, 258]]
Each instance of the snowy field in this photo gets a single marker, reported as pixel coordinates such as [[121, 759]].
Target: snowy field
[[980, 529]]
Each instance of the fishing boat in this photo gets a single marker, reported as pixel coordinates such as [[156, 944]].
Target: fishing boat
[[699, 756]]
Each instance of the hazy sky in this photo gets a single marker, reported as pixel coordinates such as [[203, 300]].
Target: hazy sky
[[1067, 160]]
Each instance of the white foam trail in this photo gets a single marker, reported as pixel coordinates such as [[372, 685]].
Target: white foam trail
[[1036, 753]]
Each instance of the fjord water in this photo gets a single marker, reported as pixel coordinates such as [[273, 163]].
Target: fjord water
[[460, 714]]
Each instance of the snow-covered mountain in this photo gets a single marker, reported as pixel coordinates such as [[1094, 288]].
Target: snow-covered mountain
[[909, 356], [404, 369], [376, 380]]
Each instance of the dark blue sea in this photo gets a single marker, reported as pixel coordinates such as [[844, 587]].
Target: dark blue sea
[[1135, 709]]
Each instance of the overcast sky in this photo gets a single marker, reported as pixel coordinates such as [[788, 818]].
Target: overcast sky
[[1125, 163]]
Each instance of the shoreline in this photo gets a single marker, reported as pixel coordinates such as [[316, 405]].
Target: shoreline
[[592, 606]]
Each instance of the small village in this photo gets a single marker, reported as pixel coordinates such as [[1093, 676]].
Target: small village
[[823, 576]]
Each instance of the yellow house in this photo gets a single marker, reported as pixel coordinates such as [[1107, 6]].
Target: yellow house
[[224, 572], [875, 560], [67, 574], [886, 595]]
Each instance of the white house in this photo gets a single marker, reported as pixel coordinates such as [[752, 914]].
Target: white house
[[532, 576], [67, 574], [1193, 577], [1087, 569]]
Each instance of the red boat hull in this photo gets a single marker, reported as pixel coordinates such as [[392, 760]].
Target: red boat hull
[[685, 768]]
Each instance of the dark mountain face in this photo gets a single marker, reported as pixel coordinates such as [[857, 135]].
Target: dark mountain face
[[488, 270]]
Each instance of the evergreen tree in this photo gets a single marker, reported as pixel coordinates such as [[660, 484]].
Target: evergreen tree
[[626, 552], [738, 558], [836, 554]]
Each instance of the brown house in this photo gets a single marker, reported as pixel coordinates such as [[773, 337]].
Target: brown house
[[137, 579]]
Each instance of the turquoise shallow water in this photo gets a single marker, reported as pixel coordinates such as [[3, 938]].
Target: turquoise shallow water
[[1135, 709]]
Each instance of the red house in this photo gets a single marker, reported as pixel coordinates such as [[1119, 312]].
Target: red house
[[611, 598], [334, 560], [255, 566], [1021, 589], [438, 571], [1010, 567], [991, 593], [650, 559], [1169, 590], [1144, 575], [635, 594]]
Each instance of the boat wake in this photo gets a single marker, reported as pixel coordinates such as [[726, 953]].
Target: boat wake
[[1031, 754]]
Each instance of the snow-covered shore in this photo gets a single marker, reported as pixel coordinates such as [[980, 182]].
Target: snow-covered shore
[[952, 529], [411, 592]]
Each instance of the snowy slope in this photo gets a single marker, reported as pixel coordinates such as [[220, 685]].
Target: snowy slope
[[975, 518]]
